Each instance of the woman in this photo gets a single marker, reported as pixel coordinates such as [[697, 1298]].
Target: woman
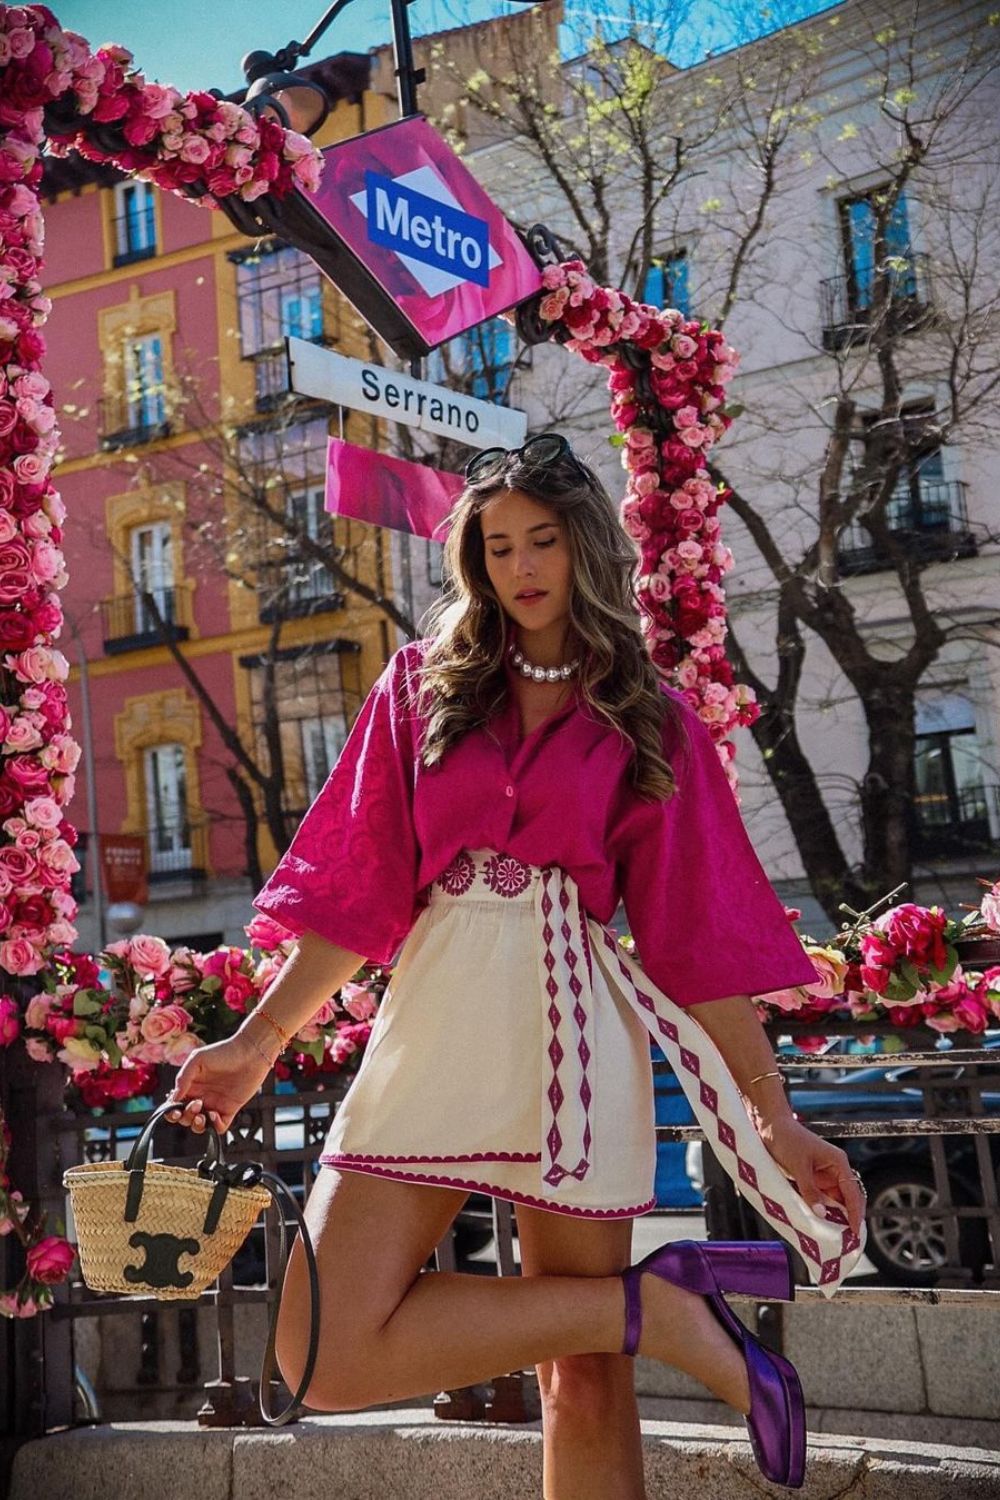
[[508, 779]]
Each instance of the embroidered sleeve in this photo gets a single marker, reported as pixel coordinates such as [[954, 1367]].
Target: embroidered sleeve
[[350, 872], [705, 919]]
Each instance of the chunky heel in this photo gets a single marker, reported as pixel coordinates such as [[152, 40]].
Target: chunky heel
[[755, 1268]]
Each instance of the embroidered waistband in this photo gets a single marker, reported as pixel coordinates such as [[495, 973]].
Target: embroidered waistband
[[485, 875]]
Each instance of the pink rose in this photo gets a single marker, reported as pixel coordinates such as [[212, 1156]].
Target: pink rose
[[990, 908], [43, 812], [10, 1020], [36, 1012], [150, 955], [18, 956], [164, 1021], [37, 1049], [358, 1001], [50, 1260], [264, 932], [831, 969], [195, 149]]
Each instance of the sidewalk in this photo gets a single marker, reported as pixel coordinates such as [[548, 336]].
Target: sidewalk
[[409, 1455]]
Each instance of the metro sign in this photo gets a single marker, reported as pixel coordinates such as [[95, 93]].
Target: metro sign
[[409, 236]]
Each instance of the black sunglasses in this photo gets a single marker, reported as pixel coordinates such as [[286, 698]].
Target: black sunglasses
[[541, 452]]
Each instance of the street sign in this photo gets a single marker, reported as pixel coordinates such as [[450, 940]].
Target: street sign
[[401, 226], [319, 372]]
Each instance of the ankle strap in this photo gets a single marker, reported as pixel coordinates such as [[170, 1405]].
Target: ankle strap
[[633, 1310]]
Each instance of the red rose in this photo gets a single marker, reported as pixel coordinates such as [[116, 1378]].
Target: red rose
[[50, 1260]]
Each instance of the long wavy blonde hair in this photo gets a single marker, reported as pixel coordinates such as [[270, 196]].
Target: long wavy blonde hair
[[463, 682]]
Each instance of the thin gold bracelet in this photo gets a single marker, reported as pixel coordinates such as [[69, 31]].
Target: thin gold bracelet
[[283, 1036], [260, 1052], [773, 1074]]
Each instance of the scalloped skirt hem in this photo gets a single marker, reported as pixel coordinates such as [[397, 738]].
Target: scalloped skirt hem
[[417, 1172]]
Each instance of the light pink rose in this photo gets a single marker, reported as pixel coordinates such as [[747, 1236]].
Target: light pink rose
[[22, 735], [36, 1011], [148, 954], [195, 149], [164, 1021], [37, 1049], [44, 812], [358, 1001], [831, 969], [30, 468], [18, 956], [990, 908]]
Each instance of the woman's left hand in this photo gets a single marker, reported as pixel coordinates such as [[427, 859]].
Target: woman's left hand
[[818, 1167]]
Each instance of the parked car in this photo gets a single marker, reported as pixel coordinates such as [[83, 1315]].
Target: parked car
[[906, 1248]]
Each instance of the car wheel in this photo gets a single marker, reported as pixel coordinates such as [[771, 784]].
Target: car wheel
[[907, 1248]]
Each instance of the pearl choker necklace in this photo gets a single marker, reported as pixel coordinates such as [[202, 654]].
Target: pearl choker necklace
[[543, 674]]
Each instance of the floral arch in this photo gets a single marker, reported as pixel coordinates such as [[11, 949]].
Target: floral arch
[[667, 377]]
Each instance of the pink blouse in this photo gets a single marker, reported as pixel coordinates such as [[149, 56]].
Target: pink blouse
[[705, 920]]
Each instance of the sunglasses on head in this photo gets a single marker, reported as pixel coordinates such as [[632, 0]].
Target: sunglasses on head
[[541, 452]]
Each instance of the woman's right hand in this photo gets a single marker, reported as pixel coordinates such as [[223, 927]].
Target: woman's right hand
[[215, 1082]]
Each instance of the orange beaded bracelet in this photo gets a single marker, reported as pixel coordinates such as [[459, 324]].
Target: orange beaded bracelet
[[283, 1036]]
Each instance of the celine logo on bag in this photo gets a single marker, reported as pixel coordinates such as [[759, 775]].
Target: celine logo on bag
[[162, 1254]]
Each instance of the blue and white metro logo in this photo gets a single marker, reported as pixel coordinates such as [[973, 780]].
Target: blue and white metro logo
[[417, 216]]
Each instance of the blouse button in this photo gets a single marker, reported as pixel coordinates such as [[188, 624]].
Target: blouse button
[[509, 791]]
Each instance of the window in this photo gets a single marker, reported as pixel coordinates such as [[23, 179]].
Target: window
[[134, 222], [167, 809], [307, 577], [145, 394], [857, 221], [479, 361], [322, 742], [152, 573], [955, 809], [435, 559], [280, 292], [666, 283]]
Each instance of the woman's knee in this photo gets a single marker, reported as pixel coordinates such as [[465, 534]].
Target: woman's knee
[[584, 1387]]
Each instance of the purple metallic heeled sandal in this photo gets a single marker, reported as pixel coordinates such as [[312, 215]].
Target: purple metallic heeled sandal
[[776, 1420]]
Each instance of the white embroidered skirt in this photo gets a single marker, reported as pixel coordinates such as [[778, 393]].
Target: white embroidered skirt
[[510, 1055]]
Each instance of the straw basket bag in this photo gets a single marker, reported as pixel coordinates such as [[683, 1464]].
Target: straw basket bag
[[148, 1229]]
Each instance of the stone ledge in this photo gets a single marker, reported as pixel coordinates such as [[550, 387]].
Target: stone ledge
[[404, 1455]]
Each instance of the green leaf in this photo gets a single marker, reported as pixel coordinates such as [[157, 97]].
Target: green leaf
[[898, 990], [85, 1005], [617, 440], [943, 976]]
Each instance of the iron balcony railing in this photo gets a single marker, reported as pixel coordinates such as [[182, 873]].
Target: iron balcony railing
[[294, 588], [271, 374], [932, 521], [176, 850], [848, 303], [948, 824], [126, 421], [130, 622], [135, 235]]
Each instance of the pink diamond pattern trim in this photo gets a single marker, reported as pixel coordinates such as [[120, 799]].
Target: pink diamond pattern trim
[[732, 1126]]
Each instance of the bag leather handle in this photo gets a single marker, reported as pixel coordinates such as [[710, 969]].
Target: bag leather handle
[[280, 1196], [138, 1158]]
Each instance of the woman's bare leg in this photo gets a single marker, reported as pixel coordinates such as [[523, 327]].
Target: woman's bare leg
[[590, 1421], [389, 1332]]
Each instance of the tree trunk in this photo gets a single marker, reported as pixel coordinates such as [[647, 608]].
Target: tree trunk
[[888, 787]]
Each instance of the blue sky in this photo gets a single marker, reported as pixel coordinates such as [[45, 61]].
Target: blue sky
[[194, 44]]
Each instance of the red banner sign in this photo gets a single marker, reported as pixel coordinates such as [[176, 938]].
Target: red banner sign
[[123, 862]]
